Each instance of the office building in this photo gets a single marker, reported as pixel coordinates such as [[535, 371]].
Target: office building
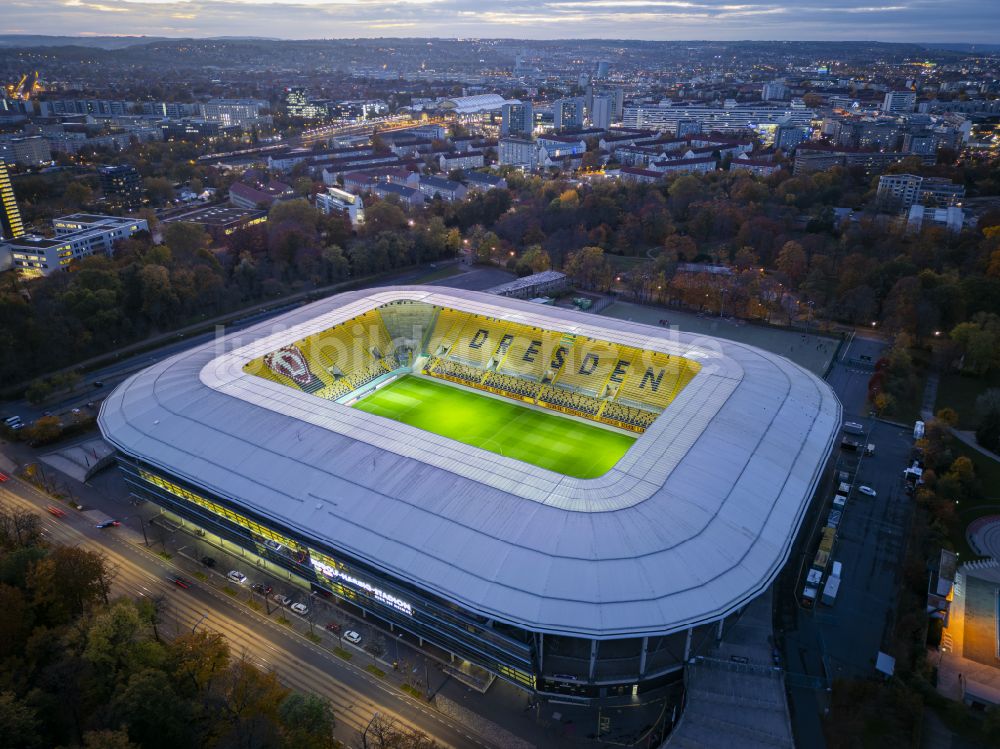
[[519, 152], [568, 113], [11, 226], [221, 221], [899, 102], [92, 107], [335, 200], [601, 111], [723, 119], [775, 91], [77, 236], [787, 137], [517, 118], [30, 151], [300, 106], [121, 185], [243, 112]]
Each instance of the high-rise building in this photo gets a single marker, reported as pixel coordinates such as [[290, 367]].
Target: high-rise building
[[520, 152], [10, 215], [517, 118], [601, 111], [568, 113], [121, 185], [602, 69], [899, 102], [774, 91], [299, 105]]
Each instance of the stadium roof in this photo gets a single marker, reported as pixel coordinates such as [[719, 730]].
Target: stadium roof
[[693, 522], [477, 103]]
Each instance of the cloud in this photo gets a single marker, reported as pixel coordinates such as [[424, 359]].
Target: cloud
[[895, 20]]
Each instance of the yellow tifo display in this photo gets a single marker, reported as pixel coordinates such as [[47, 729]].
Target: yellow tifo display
[[603, 381], [333, 362], [600, 380]]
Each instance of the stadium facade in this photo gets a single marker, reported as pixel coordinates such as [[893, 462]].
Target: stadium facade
[[580, 587]]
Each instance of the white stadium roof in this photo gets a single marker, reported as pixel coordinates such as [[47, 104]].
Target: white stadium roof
[[693, 522], [476, 103]]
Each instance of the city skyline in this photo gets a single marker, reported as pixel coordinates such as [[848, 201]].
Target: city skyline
[[723, 20]]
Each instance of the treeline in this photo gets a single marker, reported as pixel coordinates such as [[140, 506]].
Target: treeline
[[81, 669], [785, 252], [106, 303]]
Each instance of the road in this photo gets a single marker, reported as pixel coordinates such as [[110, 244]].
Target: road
[[355, 694], [841, 641]]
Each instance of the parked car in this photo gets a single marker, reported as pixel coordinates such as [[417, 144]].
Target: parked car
[[333, 627], [282, 600], [300, 608], [108, 524], [867, 490], [352, 636], [237, 577], [208, 561], [261, 589]]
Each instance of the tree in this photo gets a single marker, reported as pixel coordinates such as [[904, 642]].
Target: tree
[[307, 721], [683, 192], [792, 262], [159, 190], [535, 259], [589, 268], [38, 390], [155, 714], [159, 300], [385, 215], [78, 194], [46, 429], [197, 661], [186, 241], [67, 581], [249, 703], [979, 342], [19, 528], [20, 724]]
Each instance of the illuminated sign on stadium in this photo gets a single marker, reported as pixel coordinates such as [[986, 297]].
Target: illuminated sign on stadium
[[386, 599]]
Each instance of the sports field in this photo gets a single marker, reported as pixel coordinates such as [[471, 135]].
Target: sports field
[[545, 440]]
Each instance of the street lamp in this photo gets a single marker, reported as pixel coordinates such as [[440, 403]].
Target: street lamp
[[364, 736]]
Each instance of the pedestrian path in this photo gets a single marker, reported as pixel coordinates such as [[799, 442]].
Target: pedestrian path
[[736, 696]]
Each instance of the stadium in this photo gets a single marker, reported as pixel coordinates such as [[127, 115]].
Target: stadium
[[575, 503]]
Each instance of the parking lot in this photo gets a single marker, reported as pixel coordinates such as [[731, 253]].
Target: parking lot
[[843, 639]]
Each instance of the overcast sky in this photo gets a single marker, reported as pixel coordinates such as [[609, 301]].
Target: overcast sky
[[887, 20]]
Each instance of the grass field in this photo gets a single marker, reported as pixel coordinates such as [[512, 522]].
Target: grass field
[[545, 440]]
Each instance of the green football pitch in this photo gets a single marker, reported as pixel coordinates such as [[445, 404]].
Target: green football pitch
[[563, 445]]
